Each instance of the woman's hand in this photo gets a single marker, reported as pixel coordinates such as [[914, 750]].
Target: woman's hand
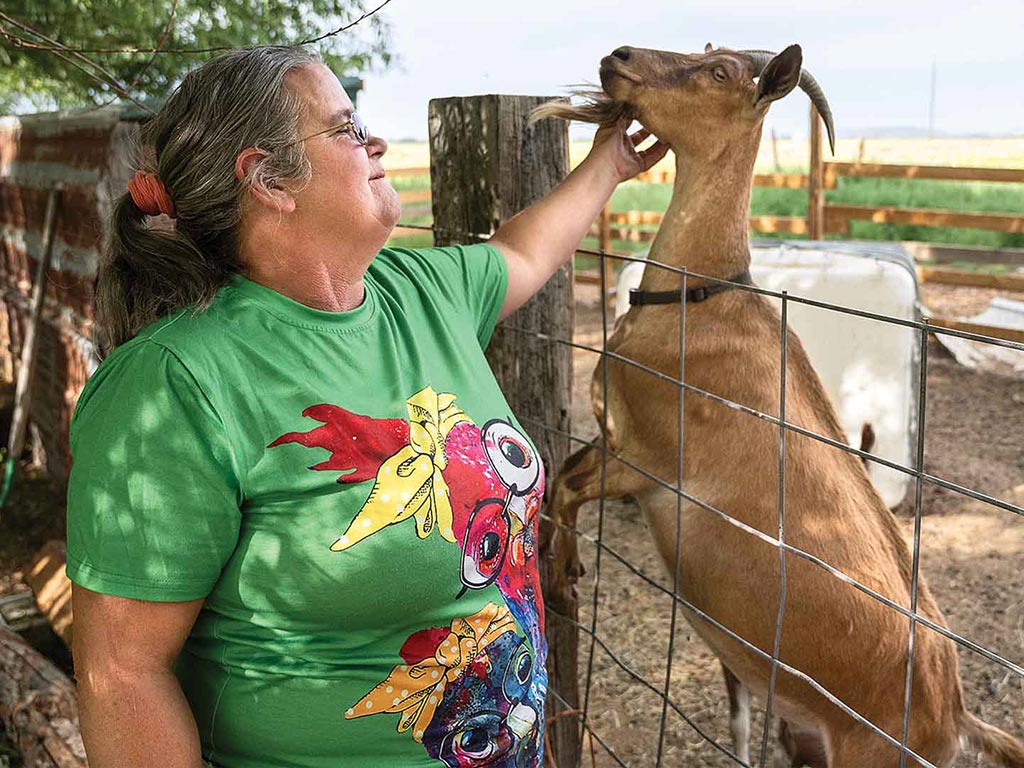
[[616, 150], [540, 239]]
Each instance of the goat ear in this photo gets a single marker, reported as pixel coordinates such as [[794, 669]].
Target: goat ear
[[709, 48], [780, 76]]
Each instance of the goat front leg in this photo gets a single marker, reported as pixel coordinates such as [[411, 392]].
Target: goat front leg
[[579, 481]]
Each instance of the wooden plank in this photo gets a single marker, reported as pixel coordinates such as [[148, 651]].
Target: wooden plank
[[792, 225], [948, 276], [38, 706], [816, 182], [935, 172], [939, 253], [831, 177], [52, 588], [995, 331], [486, 165], [836, 223], [26, 371], [406, 172], [778, 180], [408, 232], [604, 223], [928, 217], [781, 180], [657, 176], [587, 278], [636, 217], [414, 196], [632, 235], [415, 211]]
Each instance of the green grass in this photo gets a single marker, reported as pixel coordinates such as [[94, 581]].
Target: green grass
[[407, 183], [965, 197]]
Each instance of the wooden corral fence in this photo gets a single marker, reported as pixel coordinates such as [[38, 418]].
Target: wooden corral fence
[[822, 218], [413, 200]]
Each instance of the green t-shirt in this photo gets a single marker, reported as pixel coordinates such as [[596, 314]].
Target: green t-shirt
[[352, 496]]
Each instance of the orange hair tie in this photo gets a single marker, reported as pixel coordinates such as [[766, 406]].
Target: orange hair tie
[[150, 195]]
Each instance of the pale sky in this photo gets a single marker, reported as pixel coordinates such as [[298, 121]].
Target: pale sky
[[874, 59]]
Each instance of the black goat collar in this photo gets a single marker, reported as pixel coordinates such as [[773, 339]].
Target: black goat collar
[[638, 298]]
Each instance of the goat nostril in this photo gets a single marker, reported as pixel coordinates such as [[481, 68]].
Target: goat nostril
[[621, 53]]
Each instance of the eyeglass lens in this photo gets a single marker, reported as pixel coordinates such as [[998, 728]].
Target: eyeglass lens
[[362, 133]]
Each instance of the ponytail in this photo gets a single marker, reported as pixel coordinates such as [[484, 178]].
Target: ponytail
[[149, 272]]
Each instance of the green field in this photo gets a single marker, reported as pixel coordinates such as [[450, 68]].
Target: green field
[[965, 197]]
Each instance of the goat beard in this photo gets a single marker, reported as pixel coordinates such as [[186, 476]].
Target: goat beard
[[596, 107]]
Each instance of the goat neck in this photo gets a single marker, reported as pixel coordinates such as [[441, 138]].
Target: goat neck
[[705, 228]]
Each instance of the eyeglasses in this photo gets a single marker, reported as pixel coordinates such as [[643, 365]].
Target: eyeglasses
[[354, 126]]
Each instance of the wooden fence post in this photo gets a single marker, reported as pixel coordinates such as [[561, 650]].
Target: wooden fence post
[[816, 183], [485, 166]]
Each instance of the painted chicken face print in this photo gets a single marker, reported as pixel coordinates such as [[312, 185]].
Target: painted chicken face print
[[437, 474], [469, 694]]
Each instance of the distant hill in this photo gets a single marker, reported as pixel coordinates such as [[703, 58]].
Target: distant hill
[[916, 132]]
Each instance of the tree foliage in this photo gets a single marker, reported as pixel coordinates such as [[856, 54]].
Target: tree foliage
[[108, 32]]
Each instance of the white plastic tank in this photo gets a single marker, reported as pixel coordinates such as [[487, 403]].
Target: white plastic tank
[[869, 367]]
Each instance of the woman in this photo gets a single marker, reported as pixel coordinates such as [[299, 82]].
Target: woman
[[301, 519]]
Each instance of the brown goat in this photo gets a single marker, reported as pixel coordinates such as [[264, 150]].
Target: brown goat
[[709, 108]]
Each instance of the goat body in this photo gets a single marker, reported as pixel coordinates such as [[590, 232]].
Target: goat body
[[851, 643]]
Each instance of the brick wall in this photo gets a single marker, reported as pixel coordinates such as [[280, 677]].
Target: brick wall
[[88, 152]]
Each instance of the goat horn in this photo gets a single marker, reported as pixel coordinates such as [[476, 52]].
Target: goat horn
[[809, 86]]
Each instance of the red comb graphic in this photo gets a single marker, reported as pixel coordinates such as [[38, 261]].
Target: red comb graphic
[[358, 444]]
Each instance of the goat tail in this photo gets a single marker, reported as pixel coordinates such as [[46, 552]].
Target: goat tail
[[999, 747]]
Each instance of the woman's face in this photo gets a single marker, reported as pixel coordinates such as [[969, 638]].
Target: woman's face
[[347, 195]]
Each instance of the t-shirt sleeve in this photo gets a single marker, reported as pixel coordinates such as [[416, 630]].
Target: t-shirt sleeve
[[474, 278], [153, 496]]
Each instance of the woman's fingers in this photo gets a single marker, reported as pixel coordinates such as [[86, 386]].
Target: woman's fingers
[[638, 137], [654, 153]]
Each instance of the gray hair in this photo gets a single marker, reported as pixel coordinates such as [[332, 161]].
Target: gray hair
[[234, 101]]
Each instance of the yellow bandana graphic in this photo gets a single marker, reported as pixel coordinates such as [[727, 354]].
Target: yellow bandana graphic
[[416, 690], [409, 483]]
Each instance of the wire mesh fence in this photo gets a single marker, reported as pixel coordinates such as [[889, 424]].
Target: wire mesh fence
[[621, 637]]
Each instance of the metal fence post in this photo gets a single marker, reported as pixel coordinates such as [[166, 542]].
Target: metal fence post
[[485, 166]]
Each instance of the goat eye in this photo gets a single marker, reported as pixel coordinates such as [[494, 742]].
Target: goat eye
[[720, 75]]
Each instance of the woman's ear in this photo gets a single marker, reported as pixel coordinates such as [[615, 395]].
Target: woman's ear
[[249, 172]]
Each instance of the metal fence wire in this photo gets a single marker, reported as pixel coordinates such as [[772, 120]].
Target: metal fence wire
[[604, 549]]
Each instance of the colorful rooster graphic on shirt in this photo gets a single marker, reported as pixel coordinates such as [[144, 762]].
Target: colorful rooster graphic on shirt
[[481, 490]]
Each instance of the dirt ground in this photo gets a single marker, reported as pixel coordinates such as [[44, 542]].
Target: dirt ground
[[972, 555]]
